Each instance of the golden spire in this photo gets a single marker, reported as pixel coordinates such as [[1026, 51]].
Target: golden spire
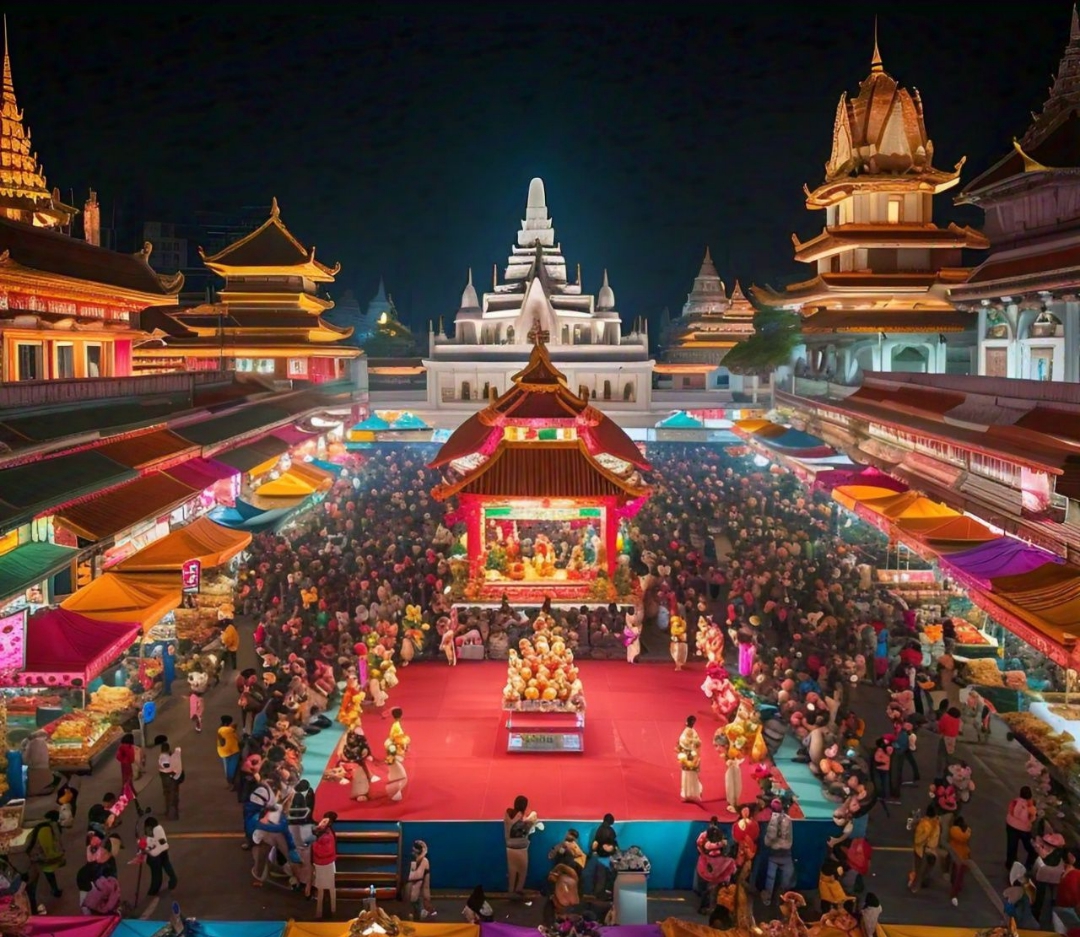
[[875, 63], [9, 85]]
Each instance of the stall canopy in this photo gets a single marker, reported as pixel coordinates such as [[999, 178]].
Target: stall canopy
[[64, 648], [909, 506], [252, 523], [253, 454], [83, 926], [331, 468], [289, 485], [956, 533], [200, 474], [499, 929], [680, 419], [107, 514], [373, 423], [1047, 598], [858, 475], [342, 929], [203, 540], [30, 564], [409, 420], [1002, 557], [313, 475], [141, 597], [851, 495], [135, 928], [762, 428]]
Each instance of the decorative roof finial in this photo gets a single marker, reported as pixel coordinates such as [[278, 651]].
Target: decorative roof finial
[[9, 84], [274, 210], [875, 63], [1074, 32]]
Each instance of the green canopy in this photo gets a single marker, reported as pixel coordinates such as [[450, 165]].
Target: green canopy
[[680, 420], [30, 564]]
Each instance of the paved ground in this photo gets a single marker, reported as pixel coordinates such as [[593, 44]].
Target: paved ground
[[214, 872]]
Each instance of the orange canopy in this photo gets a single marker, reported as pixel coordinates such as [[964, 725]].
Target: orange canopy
[[909, 505], [962, 531], [1047, 598], [753, 426], [312, 474], [145, 598], [202, 540], [850, 495]]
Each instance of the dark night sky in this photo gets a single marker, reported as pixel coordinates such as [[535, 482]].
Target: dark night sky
[[404, 145]]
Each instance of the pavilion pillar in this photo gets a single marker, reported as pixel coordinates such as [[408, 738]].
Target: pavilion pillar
[[611, 536], [474, 535]]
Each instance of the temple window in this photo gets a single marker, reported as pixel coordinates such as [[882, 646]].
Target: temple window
[[510, 334], [30, 361], [607, 390], [466, 391], [93, 361], [65, 361], [894, 210], [628, 391]]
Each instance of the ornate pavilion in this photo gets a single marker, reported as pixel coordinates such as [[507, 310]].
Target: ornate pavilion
[[544, 483], [879, 298], [268, 319]]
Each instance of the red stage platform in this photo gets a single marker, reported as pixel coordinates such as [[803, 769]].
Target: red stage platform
[[459, 768]]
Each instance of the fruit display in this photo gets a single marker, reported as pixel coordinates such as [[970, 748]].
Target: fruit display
[[111, 700], [28, 705], [197, 625], [1058, 748], [983, 672], [76, 738], [968, 634], [541, 674]]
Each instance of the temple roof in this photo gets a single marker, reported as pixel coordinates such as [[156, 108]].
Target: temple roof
[[271, 246], [850, 286], [36, 248], [538, 396], [887, 320], [840, 238], [24, 193], [1052, 141]]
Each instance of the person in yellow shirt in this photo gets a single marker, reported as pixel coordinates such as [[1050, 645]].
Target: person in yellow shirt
[[228, 748], [927, 837], [230, 641], [397, 734]]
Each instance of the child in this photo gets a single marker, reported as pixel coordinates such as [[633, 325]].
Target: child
[[196, 705], [871, 911]]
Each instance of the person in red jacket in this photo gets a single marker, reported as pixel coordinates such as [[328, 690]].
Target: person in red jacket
[[1068, 890], [949, 724], [324, 863]]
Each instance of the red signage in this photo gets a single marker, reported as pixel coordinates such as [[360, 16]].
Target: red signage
[[191, 575]]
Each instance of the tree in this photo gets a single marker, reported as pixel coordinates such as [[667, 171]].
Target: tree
[[776, 333]]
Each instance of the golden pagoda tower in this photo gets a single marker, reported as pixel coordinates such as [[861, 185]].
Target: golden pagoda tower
[[879, 300], [24, 194]]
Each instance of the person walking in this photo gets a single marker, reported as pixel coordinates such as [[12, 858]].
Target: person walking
[[419, 875], [1018, 821], [155, 845], [230, 643], [45, 850], [126, 756], [960, 851], [927, 837], [714, 867], [518, 824], [778, 841], [228, 748], [171, 772], [324, 864], [949, 725]]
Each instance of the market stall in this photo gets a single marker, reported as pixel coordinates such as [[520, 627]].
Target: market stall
[[136, 928], [350, 929], [1005, 556], [81, 926], [212, 544], [143, 598], [247, 517]]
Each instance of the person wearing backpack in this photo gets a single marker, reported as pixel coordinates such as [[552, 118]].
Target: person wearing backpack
[[778, 841], [45, 849]]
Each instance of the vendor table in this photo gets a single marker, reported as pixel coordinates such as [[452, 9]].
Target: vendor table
[[539, 731]]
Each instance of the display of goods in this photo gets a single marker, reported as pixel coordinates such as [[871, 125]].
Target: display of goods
[[211, 600], [542, 670], [1059, 748], [219, 585], [968, 634], [77, 737], [1016, 679], [983, 672], [3, 747], [198, 632], [110, 700], [934, 633], [28, 705]]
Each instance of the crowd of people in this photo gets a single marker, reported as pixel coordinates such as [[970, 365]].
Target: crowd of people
[[739, 569]]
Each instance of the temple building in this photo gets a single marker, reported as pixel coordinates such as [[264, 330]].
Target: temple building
[[488, 341], [267, 321], [1027, 292], [65, 303], [711, 324], [879, 297]]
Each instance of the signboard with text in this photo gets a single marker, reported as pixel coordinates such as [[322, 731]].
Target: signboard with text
[[191, 575]]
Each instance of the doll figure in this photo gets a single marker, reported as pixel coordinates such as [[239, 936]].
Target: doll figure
[[396, 778], [689, 754], [733, 774], [447, 644], [747, 653], [678, 642], [632, 636], [745, 832]]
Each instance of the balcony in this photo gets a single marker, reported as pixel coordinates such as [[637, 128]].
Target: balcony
[[30, 395]]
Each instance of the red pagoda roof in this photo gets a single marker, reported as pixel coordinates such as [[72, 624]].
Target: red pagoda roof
[[565, 470], [538, 397]]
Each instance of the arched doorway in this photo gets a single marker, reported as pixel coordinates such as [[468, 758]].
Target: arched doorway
[[510, 334], [628, 391], [466, 390], [607, 390], [909, 360]]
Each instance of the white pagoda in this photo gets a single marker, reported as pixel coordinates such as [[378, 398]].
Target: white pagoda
[[489, 341]]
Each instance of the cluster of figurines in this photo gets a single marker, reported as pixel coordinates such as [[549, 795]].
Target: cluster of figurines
[[542, 669], [539, 557], [355, 760]]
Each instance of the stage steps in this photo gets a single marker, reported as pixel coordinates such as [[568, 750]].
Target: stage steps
[[369, 854]]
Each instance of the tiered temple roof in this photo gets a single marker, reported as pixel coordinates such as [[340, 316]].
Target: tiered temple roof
[[882, 264], [24, 193], [539, 439]]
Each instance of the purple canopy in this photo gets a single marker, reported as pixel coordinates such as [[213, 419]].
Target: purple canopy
[[1002, 557], [858, 475]]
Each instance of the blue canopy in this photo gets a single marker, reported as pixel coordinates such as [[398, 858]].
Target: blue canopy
[[373, 422], [235, 520], [680, 420], [332, 467], [409, 421], [136, 928]]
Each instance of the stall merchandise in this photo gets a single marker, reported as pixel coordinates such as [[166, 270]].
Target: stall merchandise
[[78, 739], [113, 701]]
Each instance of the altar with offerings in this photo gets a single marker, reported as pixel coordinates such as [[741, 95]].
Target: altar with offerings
[[543, 698]]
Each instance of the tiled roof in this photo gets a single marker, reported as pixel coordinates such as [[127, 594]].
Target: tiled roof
[[107, 514], [146, 449]]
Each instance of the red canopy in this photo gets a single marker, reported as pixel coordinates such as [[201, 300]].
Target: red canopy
[[63, 647]]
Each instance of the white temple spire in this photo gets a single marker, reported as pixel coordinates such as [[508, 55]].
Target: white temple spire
[[536, 226], [605, 299], [469, 299]]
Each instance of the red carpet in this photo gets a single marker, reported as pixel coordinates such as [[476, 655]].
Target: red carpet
[[459, 768]]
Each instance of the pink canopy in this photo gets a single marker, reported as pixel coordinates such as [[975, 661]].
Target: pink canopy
[[513, 930], [1002, 557], [200, 474], [83, 926], [63, 647], [861, 475]]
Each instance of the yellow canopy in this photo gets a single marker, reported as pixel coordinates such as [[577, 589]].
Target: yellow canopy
[[341, 929], [361, 435], [145, 598], [202, 540], [850, 495], [753, 426], [289, 485], [921, 509], [312, 474]]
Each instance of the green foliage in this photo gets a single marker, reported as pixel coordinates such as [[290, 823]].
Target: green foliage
[[775, 337]]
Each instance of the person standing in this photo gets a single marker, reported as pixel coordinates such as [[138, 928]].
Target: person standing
[[605, 845], [419, 874], [171, 772], [324, 864], [230, 643], [689, 754], [156, 847], [960, 851], [126, 756], [1018, 821], [779, 838], [228, 748], [713, 868], [949, 725], [518, 824], [45, 850], [924, 855]]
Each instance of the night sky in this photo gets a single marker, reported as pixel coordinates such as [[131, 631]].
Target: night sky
[[404, 146]]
